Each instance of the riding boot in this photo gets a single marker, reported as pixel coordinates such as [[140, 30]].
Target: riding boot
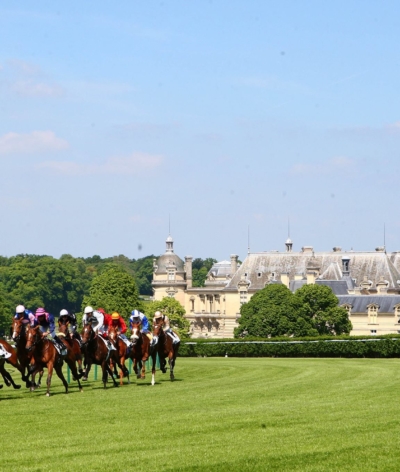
[[61, 345]]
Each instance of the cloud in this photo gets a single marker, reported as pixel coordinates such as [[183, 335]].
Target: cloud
[[134, 164], [336, 164], [30, 143], [28, 80], [30, 88]]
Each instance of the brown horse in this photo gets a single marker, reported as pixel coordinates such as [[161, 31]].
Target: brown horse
[[45, 353], [72, 343], [122, 353], [24, 358], [11, 358], [164, 348], [96, 352], [140, 351]]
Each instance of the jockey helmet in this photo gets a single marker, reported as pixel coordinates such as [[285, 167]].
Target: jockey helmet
[[115, 316], [88, 310], [135, 313], [101, 310], [157, 314], [64, 312], [20, 309], [40, 312]]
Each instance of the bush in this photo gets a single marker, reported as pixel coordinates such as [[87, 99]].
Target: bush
[[385, 347]]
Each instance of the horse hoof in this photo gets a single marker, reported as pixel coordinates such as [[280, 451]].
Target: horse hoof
[[84, 378], [8, 383], [1, 386], [17, 387], [138, 376], [47, 394], [81, 389], [142, 376]]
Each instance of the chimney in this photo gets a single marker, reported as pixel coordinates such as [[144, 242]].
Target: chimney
[[307, 249], [188, 270], [310, 278], [285, 279], [234, 264], [382, 286], [346, 265]]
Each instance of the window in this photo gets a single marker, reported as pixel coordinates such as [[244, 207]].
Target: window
[[171, 274], [243, 297], [372, 313], [348, 308], [373, 331]]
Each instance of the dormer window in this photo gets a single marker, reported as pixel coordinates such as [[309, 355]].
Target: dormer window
[[171, 274], [372, 313], [397, 312], [259, 274], [348, 308]]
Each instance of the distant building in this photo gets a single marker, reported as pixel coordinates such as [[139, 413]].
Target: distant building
[[367, 284]]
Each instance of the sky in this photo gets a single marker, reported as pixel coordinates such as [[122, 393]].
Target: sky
[[228, 124]]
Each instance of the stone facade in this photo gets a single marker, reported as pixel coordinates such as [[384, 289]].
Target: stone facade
[[366, 283]]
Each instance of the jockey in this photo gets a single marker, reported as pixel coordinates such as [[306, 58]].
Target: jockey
[[25, 315], [47, 327], [160, 318], [119, 323], [70, 318], [94, 316], [138, 317], [107, 322]]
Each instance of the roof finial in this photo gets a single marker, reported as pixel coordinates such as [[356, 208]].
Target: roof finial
[[384, 237], [248, 239]]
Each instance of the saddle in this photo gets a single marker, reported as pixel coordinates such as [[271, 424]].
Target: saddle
[[108, 344], [62, 350], [4, 354]]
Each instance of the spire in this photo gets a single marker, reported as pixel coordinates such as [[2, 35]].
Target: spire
[[169, 244], [289, 242]]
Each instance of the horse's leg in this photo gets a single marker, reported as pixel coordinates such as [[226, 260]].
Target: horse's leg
[[110, 372], [59, 372], [88, 366], [50, 367], [71, 364], [136, 367], [153, 368], [143, 368], [9, 380]]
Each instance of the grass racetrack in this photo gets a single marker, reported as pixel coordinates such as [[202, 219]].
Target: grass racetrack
[[222, 414]]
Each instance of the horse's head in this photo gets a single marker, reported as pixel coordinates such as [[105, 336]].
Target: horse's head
[[63, 321], [157, 328], [135, 330], [17, 329], [33, 337], [87, 334], [63, 328], [112, 334]]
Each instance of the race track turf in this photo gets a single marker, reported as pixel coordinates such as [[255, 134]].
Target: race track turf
[[222, 414]]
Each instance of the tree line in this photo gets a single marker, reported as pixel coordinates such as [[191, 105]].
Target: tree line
[[40, 280]]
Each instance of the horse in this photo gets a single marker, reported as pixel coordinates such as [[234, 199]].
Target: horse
[[7, 354], [140, 351], [96, 352], [70, 342], [45, 353], [164, 348], [24, 358], [122, 354]]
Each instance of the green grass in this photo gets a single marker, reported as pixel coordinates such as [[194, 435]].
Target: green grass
[[222, 414]]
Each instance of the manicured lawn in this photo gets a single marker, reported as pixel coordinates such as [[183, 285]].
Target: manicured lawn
[[222, 414]]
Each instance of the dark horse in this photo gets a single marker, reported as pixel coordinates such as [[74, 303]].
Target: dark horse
[[45, 354], [164, 348], [122, 353], [8, 355], [140, 351], [24, 357], [96, 352], [71, 342]]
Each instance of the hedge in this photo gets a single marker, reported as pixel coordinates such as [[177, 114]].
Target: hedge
[[384, 347]]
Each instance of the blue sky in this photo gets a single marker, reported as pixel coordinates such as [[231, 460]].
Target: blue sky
[[218, 115]]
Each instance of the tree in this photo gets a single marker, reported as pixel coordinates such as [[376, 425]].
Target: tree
[[200, 269], [272, 311], [175, 312], [320, 305], [114, 290]]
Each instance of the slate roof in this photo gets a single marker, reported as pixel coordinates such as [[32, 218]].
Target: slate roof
[[359, 303], [259, 268]]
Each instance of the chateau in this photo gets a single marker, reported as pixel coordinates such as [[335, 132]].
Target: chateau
[[367, 284]]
